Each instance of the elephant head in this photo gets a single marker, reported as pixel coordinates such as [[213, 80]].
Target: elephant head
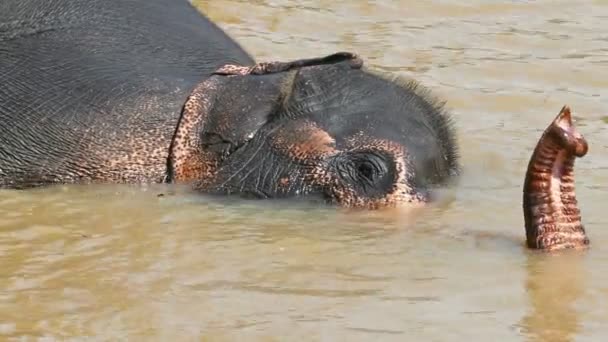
[[324, 126]]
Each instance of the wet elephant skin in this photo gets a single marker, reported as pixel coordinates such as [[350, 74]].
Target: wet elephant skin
[[125, 92]]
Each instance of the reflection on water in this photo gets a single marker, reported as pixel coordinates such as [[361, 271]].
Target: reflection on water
[[554, 285], [120, 262]]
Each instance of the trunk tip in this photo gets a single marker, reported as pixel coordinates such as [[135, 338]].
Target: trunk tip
[[566, 132], [564, 118]]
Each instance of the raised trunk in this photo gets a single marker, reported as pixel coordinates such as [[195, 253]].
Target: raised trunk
[[551, 213]]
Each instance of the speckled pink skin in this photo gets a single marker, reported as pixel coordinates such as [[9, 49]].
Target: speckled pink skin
[[301, 141]]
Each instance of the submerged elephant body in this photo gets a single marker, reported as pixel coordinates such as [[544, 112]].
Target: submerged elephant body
[[144, 91], [152, 91]]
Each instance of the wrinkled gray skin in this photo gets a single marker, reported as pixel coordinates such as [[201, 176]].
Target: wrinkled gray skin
[[107, 90]]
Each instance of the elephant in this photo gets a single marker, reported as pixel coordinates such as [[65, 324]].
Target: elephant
[[152, 91]]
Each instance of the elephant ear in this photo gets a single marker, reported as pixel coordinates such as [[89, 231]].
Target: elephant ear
[[202, 140]]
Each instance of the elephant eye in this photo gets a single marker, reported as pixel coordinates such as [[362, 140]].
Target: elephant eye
[[369, 170], [372, 173], [366, 170]]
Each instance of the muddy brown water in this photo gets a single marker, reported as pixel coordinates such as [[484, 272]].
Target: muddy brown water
[[120, 263]]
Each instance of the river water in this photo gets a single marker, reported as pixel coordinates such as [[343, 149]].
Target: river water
[[122, 263]]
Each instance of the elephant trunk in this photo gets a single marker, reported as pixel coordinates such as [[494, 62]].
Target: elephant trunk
[[551, 214]]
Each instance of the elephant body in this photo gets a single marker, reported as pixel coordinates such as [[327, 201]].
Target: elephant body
[[92, 90], [143, 91]]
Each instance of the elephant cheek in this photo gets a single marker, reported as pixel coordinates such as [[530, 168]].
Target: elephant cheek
[[304, 144]]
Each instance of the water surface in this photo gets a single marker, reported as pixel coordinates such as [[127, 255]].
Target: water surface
[[120, 262]]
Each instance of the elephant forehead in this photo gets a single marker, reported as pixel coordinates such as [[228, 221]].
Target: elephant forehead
[[303, 140], [362, 142]]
